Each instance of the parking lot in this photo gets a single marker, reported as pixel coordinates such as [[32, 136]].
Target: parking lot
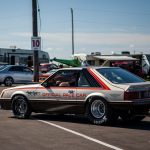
[[70, 132]]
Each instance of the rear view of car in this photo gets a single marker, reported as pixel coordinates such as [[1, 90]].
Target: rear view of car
[[136, 98]]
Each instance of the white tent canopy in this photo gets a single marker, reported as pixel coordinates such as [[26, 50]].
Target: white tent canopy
[[115, 58]]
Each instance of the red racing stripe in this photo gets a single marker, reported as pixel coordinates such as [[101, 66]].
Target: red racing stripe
[[98, 79]]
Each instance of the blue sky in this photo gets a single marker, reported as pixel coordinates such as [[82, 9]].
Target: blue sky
[[100, 25]]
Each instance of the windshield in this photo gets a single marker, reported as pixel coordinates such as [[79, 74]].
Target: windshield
[[118, 75], [2, 67], [148, 58]]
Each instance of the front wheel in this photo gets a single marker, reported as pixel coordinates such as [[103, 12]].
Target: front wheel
[[98, 111], [20, 107]]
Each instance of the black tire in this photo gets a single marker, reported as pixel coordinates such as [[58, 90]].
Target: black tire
[[20, 107], [99, 112], [8, 81]]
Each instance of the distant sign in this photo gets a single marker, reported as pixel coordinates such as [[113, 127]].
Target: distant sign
[[36, 43]]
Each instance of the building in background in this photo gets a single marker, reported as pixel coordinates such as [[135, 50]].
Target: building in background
[[21, 56]]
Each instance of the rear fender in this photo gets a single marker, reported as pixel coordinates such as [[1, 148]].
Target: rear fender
[[97, 95], [100, 95]]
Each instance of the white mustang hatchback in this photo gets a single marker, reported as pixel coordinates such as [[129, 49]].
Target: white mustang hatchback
[[100, 93]]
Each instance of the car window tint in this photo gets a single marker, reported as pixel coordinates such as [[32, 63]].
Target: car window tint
[[82, 82], [69, 77], [118, 75], [15, 68], [91, 79]]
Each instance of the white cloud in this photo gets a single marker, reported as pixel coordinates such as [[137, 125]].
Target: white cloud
[[93, 38], [59, 44]]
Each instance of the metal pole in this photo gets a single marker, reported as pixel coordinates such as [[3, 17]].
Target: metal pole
[[35, 34], [72, 31]]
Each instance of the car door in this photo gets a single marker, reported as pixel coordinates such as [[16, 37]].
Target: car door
[[15, 73], [59, 91], [27, 74], [86, 86]]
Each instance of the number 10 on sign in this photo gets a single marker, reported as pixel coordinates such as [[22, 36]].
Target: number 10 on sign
[[36, 43]]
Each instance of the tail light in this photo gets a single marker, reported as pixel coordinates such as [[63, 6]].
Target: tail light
[[131, 95]]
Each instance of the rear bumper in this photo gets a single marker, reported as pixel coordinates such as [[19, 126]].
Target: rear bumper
[[139, 102], [139, 106]]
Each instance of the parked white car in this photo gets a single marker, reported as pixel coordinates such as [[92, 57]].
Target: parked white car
[[102, 94]]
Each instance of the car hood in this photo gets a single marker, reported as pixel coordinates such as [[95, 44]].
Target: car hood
[[141, 86], [24, 86]]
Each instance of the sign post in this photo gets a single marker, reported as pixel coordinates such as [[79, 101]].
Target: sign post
[[35, 42]]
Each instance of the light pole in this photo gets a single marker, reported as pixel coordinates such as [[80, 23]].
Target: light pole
[[72, 31]]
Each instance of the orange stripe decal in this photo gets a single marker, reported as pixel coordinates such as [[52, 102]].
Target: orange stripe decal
[[98, 79]]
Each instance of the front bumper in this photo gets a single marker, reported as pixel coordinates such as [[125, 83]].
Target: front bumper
[[5, 104]]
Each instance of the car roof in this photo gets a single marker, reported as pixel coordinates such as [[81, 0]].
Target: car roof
[[80, 68]]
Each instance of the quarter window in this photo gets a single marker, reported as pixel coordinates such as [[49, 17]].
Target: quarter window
[[82, 82]]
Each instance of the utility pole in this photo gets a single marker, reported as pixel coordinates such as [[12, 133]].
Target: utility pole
[[72, 31], [35, 34]]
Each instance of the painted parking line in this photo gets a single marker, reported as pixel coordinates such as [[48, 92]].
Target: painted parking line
[[82, 135]]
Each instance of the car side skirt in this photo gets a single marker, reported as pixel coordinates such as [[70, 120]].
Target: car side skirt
[[58, 107]]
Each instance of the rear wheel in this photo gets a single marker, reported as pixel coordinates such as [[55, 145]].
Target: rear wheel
[[8, 81], [20, 107], [99, 112]]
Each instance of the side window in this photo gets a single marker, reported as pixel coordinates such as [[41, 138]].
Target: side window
[[91, 80], [64, 78], [19, 69], [11, 69], [15, 68], [82, 81], [27, 70]]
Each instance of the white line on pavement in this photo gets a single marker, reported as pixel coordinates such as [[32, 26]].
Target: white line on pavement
[[82, 135]]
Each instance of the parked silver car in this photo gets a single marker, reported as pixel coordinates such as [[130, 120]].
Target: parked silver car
[[12, 74]]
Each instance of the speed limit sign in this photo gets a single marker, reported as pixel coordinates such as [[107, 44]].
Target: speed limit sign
[[36, 43]]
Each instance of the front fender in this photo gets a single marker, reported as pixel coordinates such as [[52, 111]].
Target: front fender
[[19, 93]]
